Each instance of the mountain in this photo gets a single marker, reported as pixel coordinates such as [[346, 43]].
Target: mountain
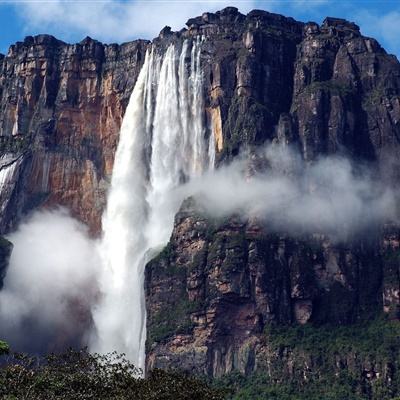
[[230, 294]]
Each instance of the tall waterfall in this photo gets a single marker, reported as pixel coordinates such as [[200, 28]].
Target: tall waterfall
[[9, 166], [162, 144]]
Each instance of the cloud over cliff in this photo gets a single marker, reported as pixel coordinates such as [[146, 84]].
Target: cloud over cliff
[[50, 283], [330, 195]]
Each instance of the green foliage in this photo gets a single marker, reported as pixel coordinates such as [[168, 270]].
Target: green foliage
[[165, 254], [259, 387], [78, 375], [379, 338], [171, 319], [245, 123], [4, 348], [375, 96], [315, 351]]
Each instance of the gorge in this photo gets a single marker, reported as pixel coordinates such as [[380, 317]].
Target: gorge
[[285, 133]]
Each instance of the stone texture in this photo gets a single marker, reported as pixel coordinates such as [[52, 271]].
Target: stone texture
[[61, 108], [5, 253], [219, 284], [324, 88]]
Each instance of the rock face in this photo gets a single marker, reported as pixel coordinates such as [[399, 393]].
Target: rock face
[[5, 253], [325, 88], [218, 285], [61, 108]]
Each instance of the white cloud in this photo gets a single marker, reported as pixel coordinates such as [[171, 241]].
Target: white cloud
[[115, 20], [50, 283], [328, 196], [308, 4], [384, 27]]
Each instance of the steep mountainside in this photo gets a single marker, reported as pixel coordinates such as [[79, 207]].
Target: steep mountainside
[[326, 87], [228, 295], [218, 295], [61, 108]]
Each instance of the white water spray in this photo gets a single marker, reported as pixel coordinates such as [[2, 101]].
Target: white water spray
[[162, 144], [9, 165]]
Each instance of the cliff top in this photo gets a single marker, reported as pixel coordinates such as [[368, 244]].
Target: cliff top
[[228, 15]]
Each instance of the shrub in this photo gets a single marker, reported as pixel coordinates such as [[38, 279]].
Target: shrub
[[79, 375]]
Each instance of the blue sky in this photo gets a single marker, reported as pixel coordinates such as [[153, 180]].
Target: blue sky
[[123, 20]]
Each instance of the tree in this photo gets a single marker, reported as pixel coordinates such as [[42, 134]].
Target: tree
[[4, 349], [80, 375]]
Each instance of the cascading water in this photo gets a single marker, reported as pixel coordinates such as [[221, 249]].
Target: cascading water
[[9, 165], [162, 144]]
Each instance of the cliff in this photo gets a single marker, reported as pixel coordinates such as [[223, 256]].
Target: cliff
[[220, 289], [326, 88], [61, 108], [227, 295]]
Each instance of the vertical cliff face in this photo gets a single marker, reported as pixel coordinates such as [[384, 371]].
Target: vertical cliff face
[[216, 289], [61, 108], [5, 253], [346, 92], [218, 285], [213, 291], [325, 88]]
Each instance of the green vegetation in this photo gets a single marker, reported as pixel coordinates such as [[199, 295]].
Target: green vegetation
[[161, 263], [332, 358], [259, 387], [171, 319], [4, 349], [78, 375], [375, 96], [379, 338], [165, 254]]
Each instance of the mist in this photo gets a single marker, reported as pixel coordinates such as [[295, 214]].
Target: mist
[[330, 196], [50, 284]]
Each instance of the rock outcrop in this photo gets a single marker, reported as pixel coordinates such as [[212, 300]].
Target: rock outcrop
[[326, 88], [220, 284], [61, 108], [217, 286], [5, 253], [216, 289]]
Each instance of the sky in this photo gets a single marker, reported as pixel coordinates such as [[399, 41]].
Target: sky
[[116, 21]]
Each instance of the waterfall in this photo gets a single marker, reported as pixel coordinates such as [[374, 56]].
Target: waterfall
[[162, 144], [9, 166]]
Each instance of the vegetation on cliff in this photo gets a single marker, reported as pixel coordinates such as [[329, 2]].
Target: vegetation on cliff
[[79, 375], [355, 362]]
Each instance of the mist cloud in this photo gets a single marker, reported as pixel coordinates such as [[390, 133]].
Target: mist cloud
[[50, 284], [53, 278], [330, 196]]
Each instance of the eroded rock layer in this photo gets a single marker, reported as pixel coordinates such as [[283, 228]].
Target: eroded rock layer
[[61, 108], [218, 285], [326, 88]]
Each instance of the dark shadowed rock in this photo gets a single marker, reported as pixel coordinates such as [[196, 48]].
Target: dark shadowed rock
[[5, 253], [218, 285]]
